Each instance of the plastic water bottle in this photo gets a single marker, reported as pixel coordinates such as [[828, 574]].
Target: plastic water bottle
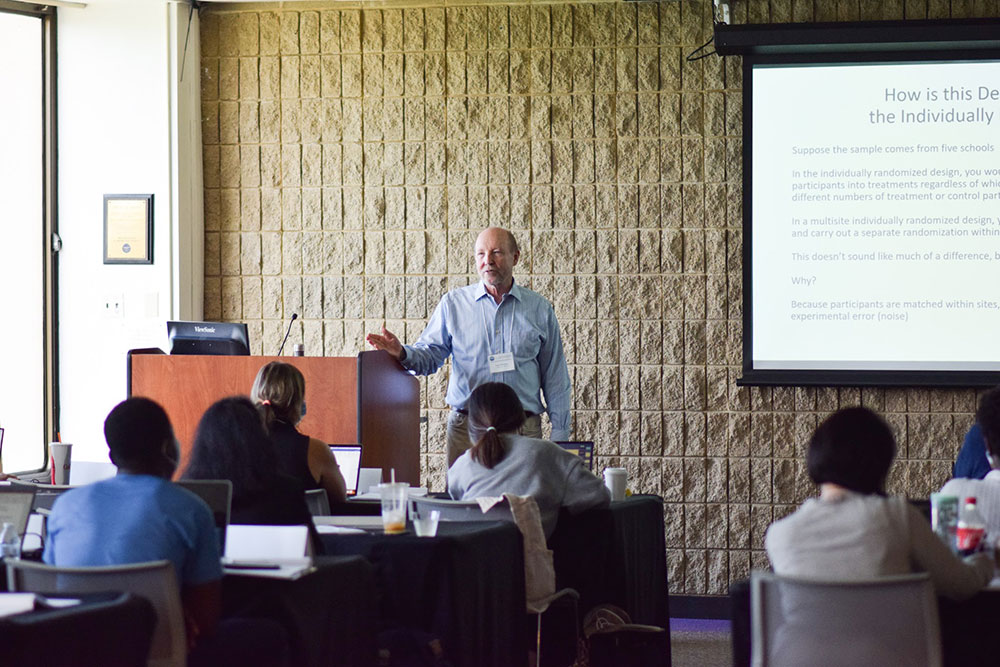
[[971, 528], [10, 542]]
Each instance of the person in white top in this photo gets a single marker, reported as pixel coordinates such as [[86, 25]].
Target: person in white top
[[853, 530], [986, 491]]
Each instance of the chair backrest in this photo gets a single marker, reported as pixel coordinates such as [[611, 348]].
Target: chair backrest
[[218, 495], [154, 581], [318, 502], [881, 621], [462, 510]]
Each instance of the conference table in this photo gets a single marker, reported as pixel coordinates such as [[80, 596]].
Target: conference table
[[466, 586], [329, 614], [463, 587], [111, 628], [616, 556]]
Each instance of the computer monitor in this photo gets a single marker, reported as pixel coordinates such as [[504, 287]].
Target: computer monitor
[[223, 338], [349, 459]]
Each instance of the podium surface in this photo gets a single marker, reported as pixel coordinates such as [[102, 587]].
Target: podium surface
[[368, 399]]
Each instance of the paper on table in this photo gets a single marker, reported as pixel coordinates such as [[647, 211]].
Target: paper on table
[[16, 603], [246, 542], [290, 569], [339, 530], [373, 522], [412, 492]]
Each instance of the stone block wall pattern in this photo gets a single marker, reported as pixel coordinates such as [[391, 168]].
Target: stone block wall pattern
[[352, 152]]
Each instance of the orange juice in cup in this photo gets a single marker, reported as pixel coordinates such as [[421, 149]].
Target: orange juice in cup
[[394, 499]]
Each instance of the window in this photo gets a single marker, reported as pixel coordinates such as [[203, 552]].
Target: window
[[27, 412]]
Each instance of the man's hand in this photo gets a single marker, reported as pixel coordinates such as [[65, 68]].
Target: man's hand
[[387, 341]]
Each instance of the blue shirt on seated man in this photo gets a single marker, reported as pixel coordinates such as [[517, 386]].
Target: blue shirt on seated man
[[140, 515]]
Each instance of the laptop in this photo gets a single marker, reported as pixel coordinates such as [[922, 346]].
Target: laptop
[[15, 505], [582, 448], [349, 459]]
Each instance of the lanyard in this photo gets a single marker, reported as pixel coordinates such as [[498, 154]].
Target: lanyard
[[489, 330]]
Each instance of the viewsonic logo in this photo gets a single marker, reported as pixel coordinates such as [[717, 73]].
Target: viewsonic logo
[[204, 329]]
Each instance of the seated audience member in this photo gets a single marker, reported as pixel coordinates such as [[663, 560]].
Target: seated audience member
[[971, 462], [279, 391], [503, 461], [231, 443], [140, 516], [853, 530], [985, 490]]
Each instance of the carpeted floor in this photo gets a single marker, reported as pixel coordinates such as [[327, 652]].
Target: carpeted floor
[[696, 642]]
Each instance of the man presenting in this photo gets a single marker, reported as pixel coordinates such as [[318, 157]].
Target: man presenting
[[495, 331]]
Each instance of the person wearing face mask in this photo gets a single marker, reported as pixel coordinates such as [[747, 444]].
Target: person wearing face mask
[[986, 491], [494, 331], [279, 392]]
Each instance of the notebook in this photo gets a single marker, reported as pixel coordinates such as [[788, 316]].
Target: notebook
[[582, 448], [349, 459]]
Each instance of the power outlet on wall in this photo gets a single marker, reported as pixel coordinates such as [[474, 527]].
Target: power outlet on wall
[[114, 305]]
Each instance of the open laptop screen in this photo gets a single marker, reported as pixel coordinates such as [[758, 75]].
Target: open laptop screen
[[584, 449], [349, 459], [15, 504]]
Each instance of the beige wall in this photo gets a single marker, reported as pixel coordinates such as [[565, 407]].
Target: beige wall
[[352, 153]]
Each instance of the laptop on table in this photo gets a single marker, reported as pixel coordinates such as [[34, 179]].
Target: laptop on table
[[582, 448], [349, 459]]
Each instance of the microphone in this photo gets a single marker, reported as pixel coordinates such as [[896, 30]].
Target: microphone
[[295, 316]]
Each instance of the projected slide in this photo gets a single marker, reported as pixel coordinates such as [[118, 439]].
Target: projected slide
[[876, 216]]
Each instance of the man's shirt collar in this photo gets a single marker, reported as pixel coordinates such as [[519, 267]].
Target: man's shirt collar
[[515, 291]]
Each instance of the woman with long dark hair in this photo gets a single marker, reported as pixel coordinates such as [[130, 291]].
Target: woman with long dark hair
[[231, 443], [279, 392], [503, 461]]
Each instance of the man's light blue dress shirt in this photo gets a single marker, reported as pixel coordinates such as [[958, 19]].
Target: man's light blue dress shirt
[[469, 325]]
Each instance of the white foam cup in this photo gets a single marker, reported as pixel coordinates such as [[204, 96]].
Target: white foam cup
[[615, 479]]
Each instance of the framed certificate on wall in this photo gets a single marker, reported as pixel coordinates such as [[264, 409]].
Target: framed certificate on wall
[[128, 229]]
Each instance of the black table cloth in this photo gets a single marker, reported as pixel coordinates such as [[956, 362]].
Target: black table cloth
[[465, 586], [110, 629], [330, 614], [616, 556]]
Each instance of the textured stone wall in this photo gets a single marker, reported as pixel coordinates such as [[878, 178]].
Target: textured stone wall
[[352, 153]]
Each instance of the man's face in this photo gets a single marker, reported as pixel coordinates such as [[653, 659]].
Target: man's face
[[495, 257]]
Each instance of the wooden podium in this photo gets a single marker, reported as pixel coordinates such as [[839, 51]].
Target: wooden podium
[[368, 399]]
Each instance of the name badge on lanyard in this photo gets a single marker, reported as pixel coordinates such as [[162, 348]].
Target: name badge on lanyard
[[501, 362]]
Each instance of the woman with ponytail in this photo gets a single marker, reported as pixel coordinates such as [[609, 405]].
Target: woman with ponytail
[[279, 392], [502, 460]]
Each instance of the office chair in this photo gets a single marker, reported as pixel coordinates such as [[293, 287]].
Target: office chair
[[890, 620], [154, 581], [318, 502], [462, 510]]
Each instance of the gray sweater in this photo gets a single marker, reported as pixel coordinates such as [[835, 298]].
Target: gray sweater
[[541, 469]]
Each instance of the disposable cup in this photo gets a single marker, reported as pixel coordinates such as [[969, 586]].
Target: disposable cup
[[615, 479], [426, 524], [60, 456], [394, 499]]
